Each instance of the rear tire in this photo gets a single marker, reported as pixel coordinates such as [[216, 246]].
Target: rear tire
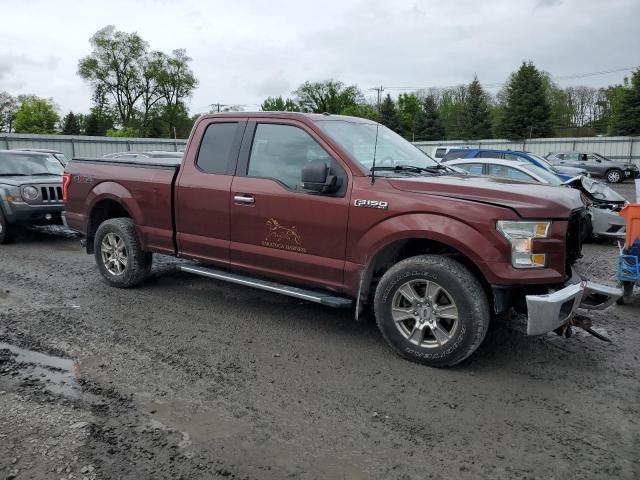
[[6, 234], [614, 175], [424, 329], [118, 253]]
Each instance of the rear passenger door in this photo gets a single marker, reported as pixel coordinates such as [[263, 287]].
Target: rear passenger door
[[278, 228], [203, 191]]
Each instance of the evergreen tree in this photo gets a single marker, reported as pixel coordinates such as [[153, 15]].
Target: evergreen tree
[[527, 112], [97, 123], [389, 114], [477, 115], [71, 124], [627, 119], [428, 124]]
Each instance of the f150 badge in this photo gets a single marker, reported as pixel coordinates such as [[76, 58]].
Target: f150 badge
[[371, 204]]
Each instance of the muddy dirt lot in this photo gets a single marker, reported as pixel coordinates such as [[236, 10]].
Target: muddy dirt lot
[[190, 378]]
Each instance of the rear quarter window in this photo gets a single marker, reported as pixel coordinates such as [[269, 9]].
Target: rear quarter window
[[217, 145]]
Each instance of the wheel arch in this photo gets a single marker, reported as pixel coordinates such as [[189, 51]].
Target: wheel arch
[[104, 208], [397, 250]]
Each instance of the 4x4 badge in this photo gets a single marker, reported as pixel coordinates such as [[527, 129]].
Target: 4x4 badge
[[371, 204]]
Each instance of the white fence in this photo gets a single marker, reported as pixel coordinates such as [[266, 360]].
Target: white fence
[[81, 146], [615, 148]]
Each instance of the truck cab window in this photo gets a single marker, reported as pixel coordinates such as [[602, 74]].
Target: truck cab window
[[216, 147], [281, 151]]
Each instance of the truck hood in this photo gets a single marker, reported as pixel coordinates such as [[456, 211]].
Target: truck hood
[[17, 180], [529, 200]]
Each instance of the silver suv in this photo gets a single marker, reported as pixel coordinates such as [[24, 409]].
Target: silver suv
[[598, 166]]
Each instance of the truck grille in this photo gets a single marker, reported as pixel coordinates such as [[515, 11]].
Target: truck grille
[[576, 232], [51, 194]]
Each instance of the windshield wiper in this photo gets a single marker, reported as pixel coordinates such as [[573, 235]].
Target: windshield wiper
[[44, 173], [14, 175], [411, 168]]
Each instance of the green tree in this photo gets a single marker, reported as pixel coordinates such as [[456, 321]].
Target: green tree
[[176, 82], [476, 121], [71, 124], [527, 110], [362, 110], [36, 115], [97, 123], [451, 108], [428, 124], [627, 119], [610, 100], [389, 116], [279, 104], [126, 132], [408, 107], [116, 67], [330, 96], [8, 110]]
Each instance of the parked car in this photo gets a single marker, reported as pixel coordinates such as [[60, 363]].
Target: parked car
[[605, 203], [62, 158], [30, 191], [440, 151], [596, 164], [301, 205], [151, 154], [565, 173]]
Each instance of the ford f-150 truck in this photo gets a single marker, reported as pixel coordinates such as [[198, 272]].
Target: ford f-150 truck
[[343, 212]]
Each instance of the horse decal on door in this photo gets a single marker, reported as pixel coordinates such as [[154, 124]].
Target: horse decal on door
[[285, 238]]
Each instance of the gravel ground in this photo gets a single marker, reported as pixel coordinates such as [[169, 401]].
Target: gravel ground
[[186, 377]]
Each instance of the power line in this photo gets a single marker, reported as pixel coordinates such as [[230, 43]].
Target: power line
[[499, 84]]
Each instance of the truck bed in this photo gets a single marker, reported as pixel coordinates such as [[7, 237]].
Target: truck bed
[[143, 186]]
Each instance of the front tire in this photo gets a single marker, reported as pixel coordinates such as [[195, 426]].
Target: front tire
[[118, 253], [614, 176], [432, 310], [5, 233]]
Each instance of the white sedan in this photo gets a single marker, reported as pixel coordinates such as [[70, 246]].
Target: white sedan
[[605, 202]]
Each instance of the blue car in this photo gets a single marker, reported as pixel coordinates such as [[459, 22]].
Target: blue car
[[565, 173]]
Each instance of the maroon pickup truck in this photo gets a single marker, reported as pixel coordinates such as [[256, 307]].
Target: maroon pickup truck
[[343, 212]]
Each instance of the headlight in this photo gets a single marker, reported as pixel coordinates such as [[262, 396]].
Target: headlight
[[30, 193], [521, 235]]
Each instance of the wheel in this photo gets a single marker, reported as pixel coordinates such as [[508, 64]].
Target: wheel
[[5, 232], [627, 291], [432, 310], [614, 176], [118, 254]]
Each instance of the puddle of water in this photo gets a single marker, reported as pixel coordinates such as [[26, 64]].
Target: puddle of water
[[57, 374]]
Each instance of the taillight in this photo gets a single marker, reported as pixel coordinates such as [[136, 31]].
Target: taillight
[[66, 181]]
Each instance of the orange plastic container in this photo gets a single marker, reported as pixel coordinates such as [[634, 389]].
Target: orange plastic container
[[631, 213]]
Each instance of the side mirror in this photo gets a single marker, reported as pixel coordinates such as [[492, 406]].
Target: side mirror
[[316, 178]]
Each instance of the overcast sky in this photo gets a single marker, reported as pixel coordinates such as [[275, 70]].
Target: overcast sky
[[244, 51]]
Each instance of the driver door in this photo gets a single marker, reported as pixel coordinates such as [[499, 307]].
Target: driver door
[[277, 228]]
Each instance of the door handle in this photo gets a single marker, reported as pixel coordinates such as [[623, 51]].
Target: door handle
[[244, 199]]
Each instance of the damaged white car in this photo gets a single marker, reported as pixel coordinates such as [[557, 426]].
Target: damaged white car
[[604, 202]]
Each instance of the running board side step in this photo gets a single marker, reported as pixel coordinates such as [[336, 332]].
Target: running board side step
[[323, 298]]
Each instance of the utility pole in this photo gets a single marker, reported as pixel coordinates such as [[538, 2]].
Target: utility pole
[[379, 89]]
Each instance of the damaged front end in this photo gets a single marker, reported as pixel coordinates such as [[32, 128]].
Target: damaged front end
[[554, 310], [558, 309], [604, 205]]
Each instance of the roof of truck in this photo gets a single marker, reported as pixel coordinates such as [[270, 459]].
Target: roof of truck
[[291, 115]]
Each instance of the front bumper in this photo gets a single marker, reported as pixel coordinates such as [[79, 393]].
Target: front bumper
[[607, 224], [552, 310], [25, 214]]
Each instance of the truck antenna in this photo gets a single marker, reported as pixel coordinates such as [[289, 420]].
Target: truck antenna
[[375, 149]]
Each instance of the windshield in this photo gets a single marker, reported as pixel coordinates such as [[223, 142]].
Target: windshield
[[36, 164], [359, 140], [545, 175]]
